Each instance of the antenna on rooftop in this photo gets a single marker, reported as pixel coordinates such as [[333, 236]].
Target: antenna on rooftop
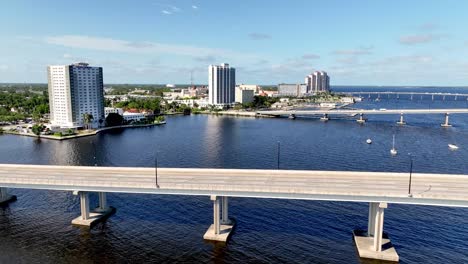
[[191, 78]]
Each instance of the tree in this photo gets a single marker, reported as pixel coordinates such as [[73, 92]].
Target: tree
[[114, 119], [159, 119], [36, 129], [87, 118]]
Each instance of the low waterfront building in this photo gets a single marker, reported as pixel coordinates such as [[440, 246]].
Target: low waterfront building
[[268, 93], [347, 100], [244, 96], [108, 110], [133, 116], [295, 90], [254, 87]]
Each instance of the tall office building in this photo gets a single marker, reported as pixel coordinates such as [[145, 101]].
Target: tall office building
[[317, 82], [75, 90], [221, 85]]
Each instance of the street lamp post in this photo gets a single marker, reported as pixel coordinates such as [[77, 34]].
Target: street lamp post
[[410, 175], [278, 152], [156, 169]]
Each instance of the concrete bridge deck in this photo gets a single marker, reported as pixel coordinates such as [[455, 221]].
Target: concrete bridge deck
[[427, 189], [376, 188]]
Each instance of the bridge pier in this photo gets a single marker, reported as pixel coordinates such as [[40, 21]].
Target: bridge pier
[[6, 198], [402, 120], [222, 226], [446, 124], [324, 118], [89, 218], [375, 244], [361, 119]]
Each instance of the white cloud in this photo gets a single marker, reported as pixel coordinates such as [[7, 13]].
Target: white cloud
[[67, 56], [141, 47], [259, 36], [4, 67], [195, 7], [166, 12], [354, 52], [418, 39]]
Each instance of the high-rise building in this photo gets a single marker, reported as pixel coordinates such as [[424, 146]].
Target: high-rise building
[[317, 82], [75, 90], [221, 85]]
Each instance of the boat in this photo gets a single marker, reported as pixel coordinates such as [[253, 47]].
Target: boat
[[452, 146], [393, 151], [369, 141]]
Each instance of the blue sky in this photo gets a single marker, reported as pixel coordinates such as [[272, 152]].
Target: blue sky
[[155, 41]]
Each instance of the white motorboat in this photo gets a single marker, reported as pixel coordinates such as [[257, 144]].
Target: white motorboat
[[452, 146], [369, 141], [393, 151]]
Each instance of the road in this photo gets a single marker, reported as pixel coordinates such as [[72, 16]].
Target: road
[[427, 189]]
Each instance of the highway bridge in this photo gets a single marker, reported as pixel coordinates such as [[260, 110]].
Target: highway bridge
[[325, 113], [376, 188], [410, 95]]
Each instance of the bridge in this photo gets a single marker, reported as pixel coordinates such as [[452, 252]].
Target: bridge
[[411, 94], [361, 112], [376, 188]]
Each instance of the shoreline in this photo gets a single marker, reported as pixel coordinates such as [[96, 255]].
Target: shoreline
[[87, 134], [231, 113]]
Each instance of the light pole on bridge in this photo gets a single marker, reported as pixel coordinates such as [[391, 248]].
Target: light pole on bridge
[[156, 169], [410, 175], [278, 152]]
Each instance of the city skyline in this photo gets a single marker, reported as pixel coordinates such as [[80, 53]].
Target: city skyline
[[359, 43]]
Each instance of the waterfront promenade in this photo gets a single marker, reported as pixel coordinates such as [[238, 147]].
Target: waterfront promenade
[[376, 188]]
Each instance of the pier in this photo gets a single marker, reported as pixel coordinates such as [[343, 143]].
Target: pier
[[377, 189]]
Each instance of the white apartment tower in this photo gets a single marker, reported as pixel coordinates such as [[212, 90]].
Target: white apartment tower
[[317, 82], [221, 85], [75, 90]]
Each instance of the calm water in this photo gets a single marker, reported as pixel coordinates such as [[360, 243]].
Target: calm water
[[166, 229]]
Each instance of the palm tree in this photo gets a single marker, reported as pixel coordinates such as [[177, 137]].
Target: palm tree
[[87, 118]]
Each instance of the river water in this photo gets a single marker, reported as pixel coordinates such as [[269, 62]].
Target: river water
[[168, 229]]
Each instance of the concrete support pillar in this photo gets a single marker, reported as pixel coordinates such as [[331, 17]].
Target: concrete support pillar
[[446, 124], [84, 203], [102, 201], [402, 120], [3, 193], [378, 228], [225, 211], [5, 198], [371, 219], [361, 119], [216, 214]]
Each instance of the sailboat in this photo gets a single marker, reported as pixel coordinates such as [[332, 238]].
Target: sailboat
[[393, 151], [452, 146]]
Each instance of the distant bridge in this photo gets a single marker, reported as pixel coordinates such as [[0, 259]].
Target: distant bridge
[[375, 188], [433, 96], [325, 114]]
